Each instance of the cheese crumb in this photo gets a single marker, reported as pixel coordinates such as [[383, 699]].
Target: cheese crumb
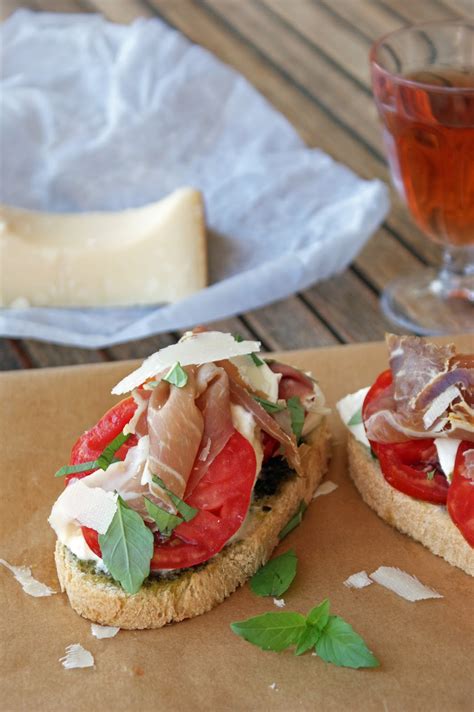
[[28, 583], [273, 686], [279, 602], [325, 488], [358, 580], [77, 657], [103, 631], [404, 585]]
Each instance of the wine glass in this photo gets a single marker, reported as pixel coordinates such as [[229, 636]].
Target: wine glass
[[423, 84]]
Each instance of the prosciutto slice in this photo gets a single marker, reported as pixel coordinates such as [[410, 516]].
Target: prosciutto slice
[[242, 397], [432, 394], [293, 382], [214, 404], [175, 426]]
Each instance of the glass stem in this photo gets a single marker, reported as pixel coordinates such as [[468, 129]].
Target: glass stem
[[455, 280]]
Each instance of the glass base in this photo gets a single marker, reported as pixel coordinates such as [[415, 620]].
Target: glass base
[[419, 303]]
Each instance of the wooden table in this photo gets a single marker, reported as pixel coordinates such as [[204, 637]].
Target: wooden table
[[309, 58]]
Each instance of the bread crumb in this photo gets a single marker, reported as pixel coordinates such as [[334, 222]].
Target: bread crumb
[[279, 602]]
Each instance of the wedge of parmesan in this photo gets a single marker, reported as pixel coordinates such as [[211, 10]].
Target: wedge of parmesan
[[404, 585], [148, 255], [202, 347], [29, 584], [77, 657]]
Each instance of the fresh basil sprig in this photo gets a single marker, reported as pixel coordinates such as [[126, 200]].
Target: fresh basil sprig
[[127, 547], [356, 418], [73, 469], [335, 640], [275, 577], [430, 475], [177, 376], [295, 520], [107, 455], [297, 416], [186, 511], [165, 521], [269, 406]]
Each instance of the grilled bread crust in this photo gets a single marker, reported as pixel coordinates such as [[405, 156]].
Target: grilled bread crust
[[98, 598], [428, 523]]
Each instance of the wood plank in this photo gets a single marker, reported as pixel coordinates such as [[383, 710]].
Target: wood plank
[[463, 8], [351, 309], [123, 12], [419, 11], [369, 19], [290, 324], [10, 356], [46, 354]]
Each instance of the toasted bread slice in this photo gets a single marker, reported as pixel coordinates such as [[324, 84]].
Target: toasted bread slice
[[428, 523], [194, 591]]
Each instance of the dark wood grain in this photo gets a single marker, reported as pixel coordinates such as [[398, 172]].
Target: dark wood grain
[[309, 58]]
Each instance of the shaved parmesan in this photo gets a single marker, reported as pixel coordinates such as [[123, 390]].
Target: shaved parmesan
[[28, 583], [404, 585], [90, 506], [279, 602], [440, 404], [358, 580], [326, 488], [203, 347], [260, 378], [348, 407], [77, 657], [273, 686], [103, 631], [447, 449]]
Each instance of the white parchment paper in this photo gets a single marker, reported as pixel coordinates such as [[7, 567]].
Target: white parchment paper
[[98, 116]]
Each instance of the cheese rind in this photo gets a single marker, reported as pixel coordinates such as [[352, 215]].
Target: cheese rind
[[148, 255]]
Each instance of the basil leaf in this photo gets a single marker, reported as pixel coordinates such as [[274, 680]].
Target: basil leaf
[[127, 548], [269, 406], [257, 361], [186, 511], [294, 521], [316, 620], [238, 337], [177, 376], [356, 418], [72, 469], [271, 631], [341, 645], [430, 475], [297, 416], [275, 577], [165, 521], [107, 455]]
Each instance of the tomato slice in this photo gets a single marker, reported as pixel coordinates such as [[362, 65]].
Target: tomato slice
[[461, 496], [270, 445], [91, 444], [222, 498], [406, 465]]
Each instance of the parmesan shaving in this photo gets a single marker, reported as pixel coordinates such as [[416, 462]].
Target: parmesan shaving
[[326, 488], [28, 583], [273, 686], [279, 602], [440, 404], [203, 347], [358, 580], [90, 506], [103, 631], [404, 585], [77, 657]]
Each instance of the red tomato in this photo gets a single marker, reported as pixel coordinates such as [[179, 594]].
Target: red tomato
[[270, 446], [222, 498], [461, 496], [91, 444], [405, 465]]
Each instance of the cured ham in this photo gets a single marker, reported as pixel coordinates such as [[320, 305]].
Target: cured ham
[[293, 382], [268, 424], [214, 404], [432, 394], [173, 418]]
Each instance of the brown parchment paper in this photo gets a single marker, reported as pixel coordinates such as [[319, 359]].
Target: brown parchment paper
[[426, 649]]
